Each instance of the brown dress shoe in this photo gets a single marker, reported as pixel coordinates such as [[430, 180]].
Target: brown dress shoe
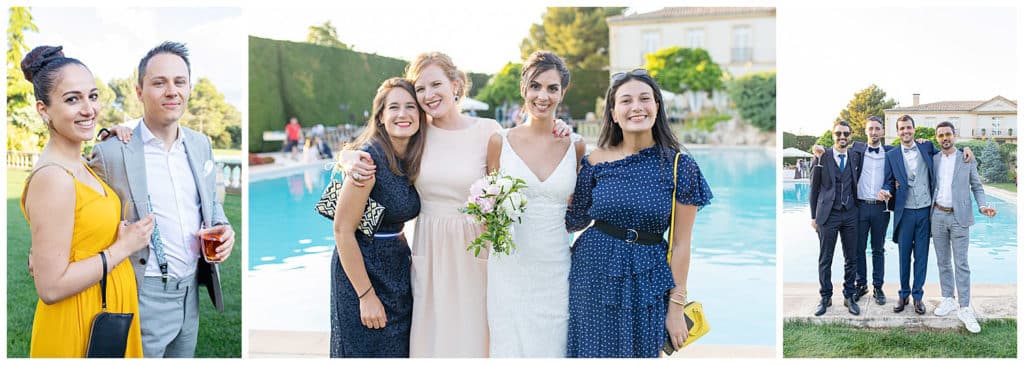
[[901, 304]]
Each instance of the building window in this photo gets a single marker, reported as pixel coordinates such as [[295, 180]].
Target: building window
[[996, 131], [742, 44], [695, 38], [651, 41]]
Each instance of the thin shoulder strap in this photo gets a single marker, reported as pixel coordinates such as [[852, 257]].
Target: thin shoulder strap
[[672, 219], [28, 179]]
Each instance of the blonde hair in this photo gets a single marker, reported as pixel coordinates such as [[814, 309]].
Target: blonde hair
[[423, 60]]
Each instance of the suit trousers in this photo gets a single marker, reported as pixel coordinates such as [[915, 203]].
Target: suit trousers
[[169, 317], [913, 244], [951, 241], [839, 223], [873, 220]]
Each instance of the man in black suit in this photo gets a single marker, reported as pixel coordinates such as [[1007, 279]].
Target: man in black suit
[[833, 203], [873, 215]]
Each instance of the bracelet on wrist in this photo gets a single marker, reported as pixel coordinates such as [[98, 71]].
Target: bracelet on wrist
[[366, 292]]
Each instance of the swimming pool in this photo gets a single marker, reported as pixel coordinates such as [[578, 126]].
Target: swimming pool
[[732, 269], [992, 254]]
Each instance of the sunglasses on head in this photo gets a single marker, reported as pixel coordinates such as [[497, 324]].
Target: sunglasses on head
[[841, 134], [618, 76]]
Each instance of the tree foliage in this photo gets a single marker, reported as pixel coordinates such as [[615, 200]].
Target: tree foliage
[[825, 139], [993, 167], [19, 90], [870, 101], [503, 86], [678, 69], [211, 115], [578, 35], [325, 35], [754, 96]]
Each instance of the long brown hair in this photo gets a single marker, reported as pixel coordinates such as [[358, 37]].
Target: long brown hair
[[407, 164]]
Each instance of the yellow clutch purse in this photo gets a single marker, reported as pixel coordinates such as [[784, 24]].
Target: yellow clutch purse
[[693, 313]]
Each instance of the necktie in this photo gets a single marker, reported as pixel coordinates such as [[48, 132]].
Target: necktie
[[842, 162], [156, 241], [873, 149]]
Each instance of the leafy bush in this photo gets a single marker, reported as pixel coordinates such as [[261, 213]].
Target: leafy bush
[[994, 168], [754, 96]]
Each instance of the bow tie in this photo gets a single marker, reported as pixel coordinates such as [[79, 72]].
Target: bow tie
[[873, 149], [914, 148]]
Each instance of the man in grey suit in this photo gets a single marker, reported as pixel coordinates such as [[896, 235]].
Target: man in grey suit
[[168, 170], [955, 181]]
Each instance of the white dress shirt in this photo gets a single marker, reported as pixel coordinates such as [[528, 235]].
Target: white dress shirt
[[944, 196], [835, 156], [175, 205], [910, 160], [871, 176]]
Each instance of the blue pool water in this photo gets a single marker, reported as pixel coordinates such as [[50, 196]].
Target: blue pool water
[[992, 254], [732, 269]]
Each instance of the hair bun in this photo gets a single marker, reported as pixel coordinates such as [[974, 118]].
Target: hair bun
[[38, 58]]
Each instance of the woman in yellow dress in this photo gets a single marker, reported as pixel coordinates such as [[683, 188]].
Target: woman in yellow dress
[[74, 217]]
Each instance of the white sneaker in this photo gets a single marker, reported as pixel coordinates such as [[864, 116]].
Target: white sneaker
[[947, 306], [966, 316]]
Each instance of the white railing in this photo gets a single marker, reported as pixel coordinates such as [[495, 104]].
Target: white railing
[[231, 176], [231, 171], [21, 160]]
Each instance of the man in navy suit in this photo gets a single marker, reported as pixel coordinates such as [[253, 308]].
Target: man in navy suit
[[833, 203], [908, 173]]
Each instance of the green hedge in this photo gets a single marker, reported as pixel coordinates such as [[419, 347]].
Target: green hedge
[[754, 95], [587, 86], [312, 83]]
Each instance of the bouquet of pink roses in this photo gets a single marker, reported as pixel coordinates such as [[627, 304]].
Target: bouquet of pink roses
[[497, 201]]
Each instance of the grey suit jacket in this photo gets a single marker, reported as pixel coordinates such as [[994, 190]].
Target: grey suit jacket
[[966, 182], [123, 167]]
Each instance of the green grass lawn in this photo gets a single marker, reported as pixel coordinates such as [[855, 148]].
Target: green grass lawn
[[998, 338], [220, 334], [1006, 186]]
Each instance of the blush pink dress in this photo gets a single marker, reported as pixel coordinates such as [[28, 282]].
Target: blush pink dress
[[449, 284]]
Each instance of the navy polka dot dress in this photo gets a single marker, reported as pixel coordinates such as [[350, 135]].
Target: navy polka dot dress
[[617, 301], [387, 263]]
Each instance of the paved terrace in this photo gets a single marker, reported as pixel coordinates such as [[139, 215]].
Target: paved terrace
[[990, 301]]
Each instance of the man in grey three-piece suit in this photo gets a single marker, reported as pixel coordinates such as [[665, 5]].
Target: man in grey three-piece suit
[[167, 170], [954, 182]]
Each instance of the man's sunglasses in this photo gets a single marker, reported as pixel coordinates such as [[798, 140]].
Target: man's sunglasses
[[841, 134]]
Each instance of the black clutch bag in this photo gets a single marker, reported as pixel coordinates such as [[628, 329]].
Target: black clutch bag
[[328, 202], [109, 334]]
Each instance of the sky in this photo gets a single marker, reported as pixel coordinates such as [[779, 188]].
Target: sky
[[478, 38], [945, 54], [111, 41]]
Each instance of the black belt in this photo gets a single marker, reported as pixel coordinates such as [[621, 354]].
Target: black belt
[[628, 234], [872, 201]]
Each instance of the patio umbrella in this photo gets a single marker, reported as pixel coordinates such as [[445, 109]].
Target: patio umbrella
[[793, 152], [468, 103]]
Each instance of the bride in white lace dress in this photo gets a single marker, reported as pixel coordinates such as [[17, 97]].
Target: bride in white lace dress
[[528, 290]]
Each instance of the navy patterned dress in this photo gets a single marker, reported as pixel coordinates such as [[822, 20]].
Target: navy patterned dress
[[617, 301], [387, 262]]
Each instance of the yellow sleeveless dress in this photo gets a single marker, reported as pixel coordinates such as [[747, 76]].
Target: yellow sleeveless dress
[[62, 329]]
